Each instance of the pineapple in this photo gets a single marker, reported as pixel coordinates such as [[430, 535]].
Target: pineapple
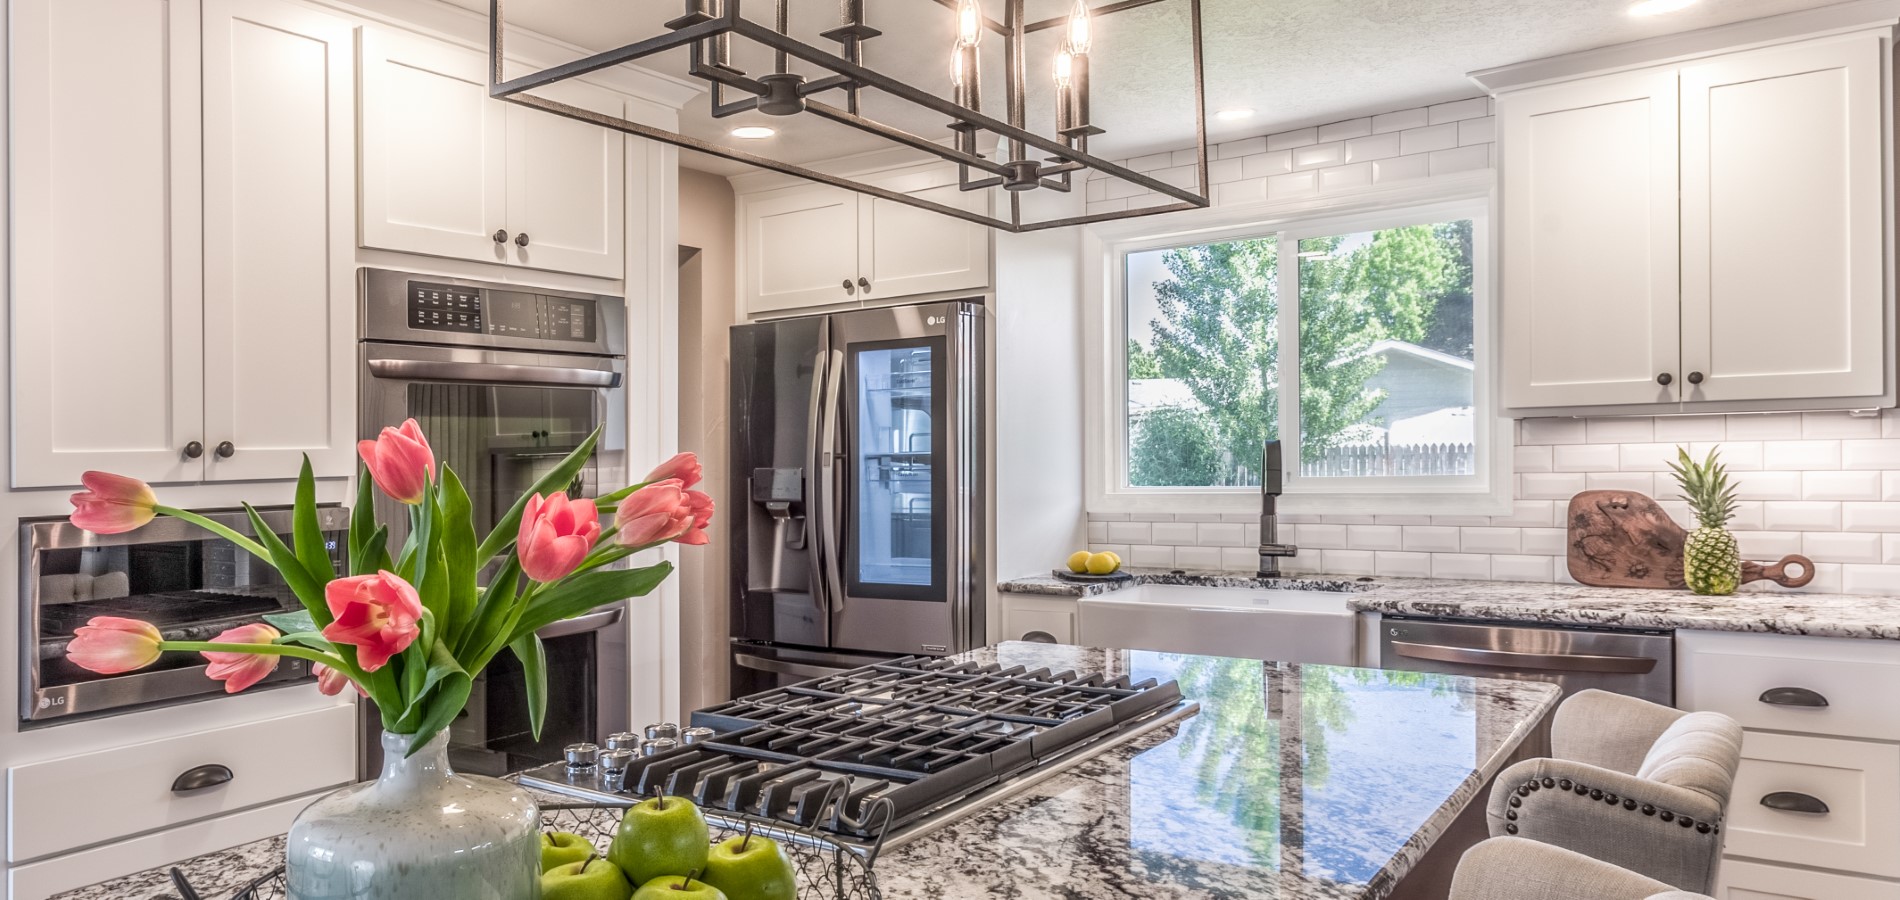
[[1711, 562]]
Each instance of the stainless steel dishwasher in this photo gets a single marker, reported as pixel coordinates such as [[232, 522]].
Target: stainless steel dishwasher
[[1637, 662]]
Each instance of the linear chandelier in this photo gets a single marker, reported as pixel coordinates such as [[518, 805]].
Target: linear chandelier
[[1024, 160]]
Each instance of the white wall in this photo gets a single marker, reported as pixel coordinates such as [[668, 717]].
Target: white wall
[[708, 307]]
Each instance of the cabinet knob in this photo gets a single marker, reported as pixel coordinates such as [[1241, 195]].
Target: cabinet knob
[[194, 450], [521, 240], [1664, 379], [849, 288], [864, 284], [501, 237], [1695, 377], [226, 449]]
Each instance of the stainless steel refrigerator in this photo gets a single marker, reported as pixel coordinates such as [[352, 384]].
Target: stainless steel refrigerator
[[858, 475]]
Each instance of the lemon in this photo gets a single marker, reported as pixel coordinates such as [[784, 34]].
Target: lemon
[[1103, 563], [1079, 561], [1117, 557]]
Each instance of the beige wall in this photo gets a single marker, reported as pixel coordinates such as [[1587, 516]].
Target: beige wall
[[707, 281]]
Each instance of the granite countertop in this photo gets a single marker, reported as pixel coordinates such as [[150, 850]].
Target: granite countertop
[[1766, 610], [1292, 782]]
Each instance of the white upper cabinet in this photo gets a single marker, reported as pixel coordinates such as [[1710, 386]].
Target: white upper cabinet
[[448, 171], [1710, 236], [1590, 247], [105, 147], [225, 316], [815, 246], [280, 284], [1782, 257]]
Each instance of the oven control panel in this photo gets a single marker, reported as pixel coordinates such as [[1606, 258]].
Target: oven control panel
[[471, 310]]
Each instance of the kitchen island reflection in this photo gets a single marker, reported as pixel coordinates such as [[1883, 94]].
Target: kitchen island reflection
[[1290, 783]]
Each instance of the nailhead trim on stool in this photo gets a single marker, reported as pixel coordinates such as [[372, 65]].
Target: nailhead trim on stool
[[1609, 799]]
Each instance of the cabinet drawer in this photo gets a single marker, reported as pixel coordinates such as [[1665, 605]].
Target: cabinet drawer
[[1057, 624], [1858, 781], [1765, 680], [97, 797], [1741, 880]]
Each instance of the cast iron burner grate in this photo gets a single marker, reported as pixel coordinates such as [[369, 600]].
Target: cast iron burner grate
[[869, 750]]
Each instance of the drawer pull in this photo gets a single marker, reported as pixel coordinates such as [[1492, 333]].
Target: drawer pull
[[198, 778], [1792, 696], [1792, 801]]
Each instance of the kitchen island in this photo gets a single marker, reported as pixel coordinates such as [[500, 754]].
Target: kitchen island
[[1292, 782]]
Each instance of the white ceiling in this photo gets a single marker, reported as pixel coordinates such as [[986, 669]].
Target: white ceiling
[[1296, 62]]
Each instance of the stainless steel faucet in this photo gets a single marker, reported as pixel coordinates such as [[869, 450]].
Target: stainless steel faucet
[[1271, 550]]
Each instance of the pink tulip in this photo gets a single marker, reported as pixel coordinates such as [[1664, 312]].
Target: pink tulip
[[112, 504], [377, 613], [653, 514], [683, 466], [241, 670], [399, 461], [110, 645], [330, 682], [556, 534], [701, 505]]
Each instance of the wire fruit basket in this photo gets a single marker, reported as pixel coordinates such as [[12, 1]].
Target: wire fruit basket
[[826, 868]]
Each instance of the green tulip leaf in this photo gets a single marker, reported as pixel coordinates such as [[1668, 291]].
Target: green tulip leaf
[[373, 556], [305, 531], [458, 555], [363, 525], [534, 668], [577, 594], [557, 478], [292, 622], [444, 693], [307, 587]]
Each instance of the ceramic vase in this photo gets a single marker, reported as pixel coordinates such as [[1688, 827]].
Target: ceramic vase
[[418, 832]]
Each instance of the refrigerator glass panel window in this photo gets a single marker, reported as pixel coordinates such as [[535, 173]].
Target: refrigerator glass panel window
[[896, 539]]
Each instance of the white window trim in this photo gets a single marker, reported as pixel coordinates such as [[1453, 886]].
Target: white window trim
[[1104, 328]]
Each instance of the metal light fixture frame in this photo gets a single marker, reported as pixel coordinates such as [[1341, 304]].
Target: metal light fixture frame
[[702, 31]]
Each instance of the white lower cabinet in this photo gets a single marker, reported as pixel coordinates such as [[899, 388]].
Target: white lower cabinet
[[1038, 617], [1815, 811], [62, 805]]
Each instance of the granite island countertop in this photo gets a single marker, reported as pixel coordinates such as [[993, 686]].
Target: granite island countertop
[[1761, 610], [1292, 782]]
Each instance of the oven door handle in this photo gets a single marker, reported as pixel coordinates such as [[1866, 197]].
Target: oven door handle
[[593, 621], [784, 667], [1506, 659], [491, 373]]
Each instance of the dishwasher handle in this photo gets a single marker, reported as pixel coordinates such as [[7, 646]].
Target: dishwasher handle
[[786, 667], [1506, 659]]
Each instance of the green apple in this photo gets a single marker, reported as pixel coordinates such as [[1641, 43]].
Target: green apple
[[751, 868], [592, 878], [660, 836], [560, 848], [676, 887]]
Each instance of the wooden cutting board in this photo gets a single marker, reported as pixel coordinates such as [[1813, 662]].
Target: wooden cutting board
[[1625, 539]]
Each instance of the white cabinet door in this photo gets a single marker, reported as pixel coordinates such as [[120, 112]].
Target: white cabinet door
[[1782, 254], [905, 251], [566, 186], [1590, 300], [434, 148], [800, 247], [105, 239], [280, 285]]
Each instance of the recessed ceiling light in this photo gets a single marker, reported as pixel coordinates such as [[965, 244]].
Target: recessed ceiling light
[[1234, 115], [1658, 7], [753, 132]]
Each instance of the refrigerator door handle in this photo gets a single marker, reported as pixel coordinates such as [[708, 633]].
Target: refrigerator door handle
[[829, 564], [814, 523]]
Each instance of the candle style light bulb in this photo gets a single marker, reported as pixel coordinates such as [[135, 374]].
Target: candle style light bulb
[[1065, 68], [1079, 29], [969, 23], [956, 65]]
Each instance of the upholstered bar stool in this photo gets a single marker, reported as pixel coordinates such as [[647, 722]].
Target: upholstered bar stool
[[1509, 868], [1631, 783]]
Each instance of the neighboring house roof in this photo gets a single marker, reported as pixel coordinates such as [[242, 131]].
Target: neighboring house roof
[[1452, 425], [1427, 354], [1145, 395]]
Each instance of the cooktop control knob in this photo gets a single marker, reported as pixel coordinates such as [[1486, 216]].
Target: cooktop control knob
[[658, 746], [615, 762], [623, 740], [581, 756], [666, 730], [693, 736]]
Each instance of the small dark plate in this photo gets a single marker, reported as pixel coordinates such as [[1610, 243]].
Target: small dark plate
[[1067, 575]]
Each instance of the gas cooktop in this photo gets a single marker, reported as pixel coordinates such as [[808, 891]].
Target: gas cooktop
[[869, 751]]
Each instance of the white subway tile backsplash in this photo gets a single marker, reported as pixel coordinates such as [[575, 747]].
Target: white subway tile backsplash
[[1260, 165], [1524, 568], [1684, 429], [1176, 533], [1250, 190], [1477, 131], [1118, 189], [1349, 562], [1236, 149], [1890, 548], [1585, 458], [1331, 153], [1768, 545], [1297, 184], [1097, 190], [1431, 538], [1245, 559], [1545, 541], [1150, 556], [1639, 482], [1647, 457], [1870, 454], [1098, 532], [1151, 163], [1470, 566], [1839, 425], [1490, 540], [1552, 431], [1530, 459], [1767, 486], [1398, 564], [1287, 140], [1840, 485], [1459, 109], [1461, 159], [1429, 138], [1801, 454], [1150, 517], [1198, 558], [1210, 517], [1223, 534], [1402, 520], [1341, 178], [1109, 517], [1619, 430], [1843, 547], [1400, 120], [1549, 485], [1323, 537], [1747, 515], [1532, 514], [1351, 128], [1400, 168], [1870, 579], [1130, 532], [1883, 517], [1371, 147], [1764, 427], [1738, 456], [1801, 515], [1223, 171], [1374, 537]]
